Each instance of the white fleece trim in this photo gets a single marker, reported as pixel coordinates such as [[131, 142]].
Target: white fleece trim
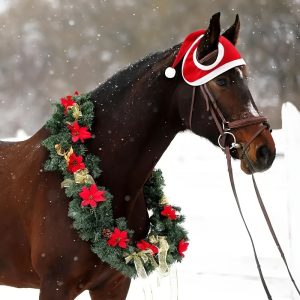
[[215, 63], [216, 72]]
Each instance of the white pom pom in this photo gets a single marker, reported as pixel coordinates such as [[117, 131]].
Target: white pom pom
[[170, 72]]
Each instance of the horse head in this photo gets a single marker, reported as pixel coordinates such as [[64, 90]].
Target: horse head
[[219, 106]]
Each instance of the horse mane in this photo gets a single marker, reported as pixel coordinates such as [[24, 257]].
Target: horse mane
[[131, 73]]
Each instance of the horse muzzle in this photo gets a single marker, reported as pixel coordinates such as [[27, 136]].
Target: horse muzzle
[[257, 155], [258, 160]]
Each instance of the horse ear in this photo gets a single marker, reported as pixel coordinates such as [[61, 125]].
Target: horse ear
[[232, 33], [210, 40]]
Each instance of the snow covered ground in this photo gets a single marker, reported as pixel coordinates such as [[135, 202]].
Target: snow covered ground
[[219, 263]]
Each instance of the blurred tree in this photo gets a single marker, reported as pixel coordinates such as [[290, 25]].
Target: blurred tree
[[272, 32], [52, 47]]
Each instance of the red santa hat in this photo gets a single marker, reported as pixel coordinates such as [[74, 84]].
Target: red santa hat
[[195, 73]]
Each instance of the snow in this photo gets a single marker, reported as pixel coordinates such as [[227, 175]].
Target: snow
[[219, 263]]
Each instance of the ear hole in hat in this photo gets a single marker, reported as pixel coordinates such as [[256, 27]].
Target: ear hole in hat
[[212, 65]]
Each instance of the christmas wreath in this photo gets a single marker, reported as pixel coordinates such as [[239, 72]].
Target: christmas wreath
[[91, 205]]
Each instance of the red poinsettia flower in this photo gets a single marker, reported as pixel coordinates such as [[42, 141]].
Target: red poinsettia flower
[[143, 245], [67, 102], [182, 247], [91, 196], [75, 163], [79, 133], [118, 238], [169, 212], [76, 93]]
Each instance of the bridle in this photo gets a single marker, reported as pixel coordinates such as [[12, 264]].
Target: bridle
[[224, 127]]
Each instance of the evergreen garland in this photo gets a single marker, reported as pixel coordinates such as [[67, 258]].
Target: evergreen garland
[[91, 205]]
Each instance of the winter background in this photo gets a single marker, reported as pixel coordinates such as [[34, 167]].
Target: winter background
[[50, 48]]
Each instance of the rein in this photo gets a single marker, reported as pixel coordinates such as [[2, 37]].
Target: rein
[[225, 128]]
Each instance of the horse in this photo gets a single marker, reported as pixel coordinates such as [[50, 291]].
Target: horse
[[138, 112]]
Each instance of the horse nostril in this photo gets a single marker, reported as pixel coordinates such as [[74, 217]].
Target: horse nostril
[[263, 155]]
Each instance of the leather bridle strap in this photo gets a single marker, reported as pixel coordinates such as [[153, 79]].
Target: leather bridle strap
[[229, 166], [268, 221], [226, 125], [264, 211]]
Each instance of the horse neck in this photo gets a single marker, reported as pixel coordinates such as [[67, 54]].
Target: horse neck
[[134, 126]]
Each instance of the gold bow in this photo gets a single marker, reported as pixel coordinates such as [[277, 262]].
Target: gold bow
[[80, 177], [139, 259], [83, 176], [61, 152], [76, 112]]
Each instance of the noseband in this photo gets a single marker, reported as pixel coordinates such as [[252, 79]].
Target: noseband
[[225, 128]]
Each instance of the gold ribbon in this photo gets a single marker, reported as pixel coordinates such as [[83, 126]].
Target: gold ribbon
[[76, 112], [139, 259], [152, 260], [61, 152], [153, 239], [83, 177], [164, 201], [163, 252], [162, 255], [80, 177]]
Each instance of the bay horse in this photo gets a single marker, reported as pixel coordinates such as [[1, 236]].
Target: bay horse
[[138, 112]]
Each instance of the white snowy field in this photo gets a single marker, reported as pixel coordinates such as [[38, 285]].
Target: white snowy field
[[219, 263]]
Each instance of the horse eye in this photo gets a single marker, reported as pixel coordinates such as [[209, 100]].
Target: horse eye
[[222, 81]]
